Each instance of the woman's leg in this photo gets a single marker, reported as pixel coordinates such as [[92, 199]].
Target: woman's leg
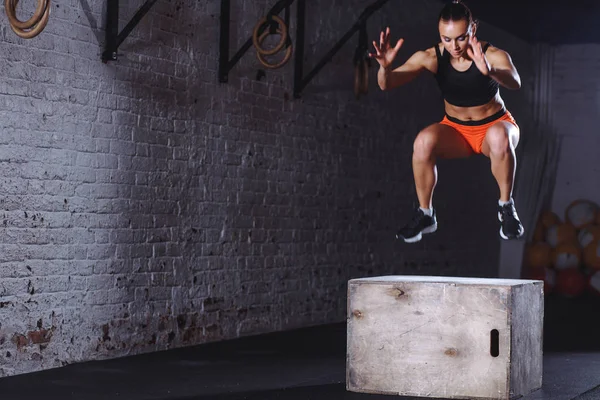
[[435, 141], [499, 145], [432, 143]]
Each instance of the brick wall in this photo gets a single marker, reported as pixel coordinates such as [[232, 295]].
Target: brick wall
[[576, 96], [146, 206]]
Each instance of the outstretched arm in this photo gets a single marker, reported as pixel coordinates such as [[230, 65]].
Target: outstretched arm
[[496, 64], [389, 79], [385, 55], [503, 70]]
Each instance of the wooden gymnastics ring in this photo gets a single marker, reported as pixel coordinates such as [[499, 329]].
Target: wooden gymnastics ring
[[357, 85], [361, 78], [365, 80], [10, 7], [38, 22], [286, 58], [282, 30]]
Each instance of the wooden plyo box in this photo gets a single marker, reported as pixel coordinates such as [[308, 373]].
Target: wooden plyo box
[[444, 337]]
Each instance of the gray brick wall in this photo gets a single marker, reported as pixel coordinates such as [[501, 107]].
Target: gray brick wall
[[575, 99], [146, 206]]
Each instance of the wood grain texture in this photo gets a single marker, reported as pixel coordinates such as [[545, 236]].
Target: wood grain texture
[[431, 336], [527, 321]]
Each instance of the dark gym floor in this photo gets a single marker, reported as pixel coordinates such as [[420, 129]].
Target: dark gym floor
[[307, 364]]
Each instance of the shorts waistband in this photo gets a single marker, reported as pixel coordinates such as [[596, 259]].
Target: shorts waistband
[[484, 121]]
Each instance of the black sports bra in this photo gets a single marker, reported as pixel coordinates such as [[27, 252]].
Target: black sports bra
[[467, 88]]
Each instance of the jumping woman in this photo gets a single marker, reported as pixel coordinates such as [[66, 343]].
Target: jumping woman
[[469, 74]]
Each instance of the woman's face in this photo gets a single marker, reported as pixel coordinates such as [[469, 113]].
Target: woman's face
[[455, 36]]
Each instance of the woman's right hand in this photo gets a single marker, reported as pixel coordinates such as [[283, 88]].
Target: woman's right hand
[[384, 54]]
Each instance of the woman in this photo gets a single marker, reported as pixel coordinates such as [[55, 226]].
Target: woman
[[469, 73]]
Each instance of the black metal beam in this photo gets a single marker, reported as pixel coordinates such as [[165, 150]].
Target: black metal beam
[[226, 65], [224, 41], [112, 30], [113, 37], [363, 47], [299, 56], [135, 20], [300, 83], [368, 11]]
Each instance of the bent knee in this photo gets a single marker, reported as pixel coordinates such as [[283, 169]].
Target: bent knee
[[424, 145], [498, 139]]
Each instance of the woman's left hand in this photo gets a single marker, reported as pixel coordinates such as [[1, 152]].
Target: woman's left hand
[[476, 53]]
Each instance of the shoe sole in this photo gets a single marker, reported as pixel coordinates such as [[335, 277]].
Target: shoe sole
[[503, 236], [419, 236]]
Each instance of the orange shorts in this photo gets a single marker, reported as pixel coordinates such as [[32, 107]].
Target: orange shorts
[[474, 131]]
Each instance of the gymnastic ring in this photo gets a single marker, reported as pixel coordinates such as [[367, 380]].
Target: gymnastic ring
[[36, 29], [38, 25], [357, 85], [282, 30], [361, 78], [365, 77], [10, 8], [286, 58]]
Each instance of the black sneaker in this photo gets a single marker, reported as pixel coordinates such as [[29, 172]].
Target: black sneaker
[[510, 225], [419, 224]]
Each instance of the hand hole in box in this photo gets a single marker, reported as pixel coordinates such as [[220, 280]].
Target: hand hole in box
[[494, 343]]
